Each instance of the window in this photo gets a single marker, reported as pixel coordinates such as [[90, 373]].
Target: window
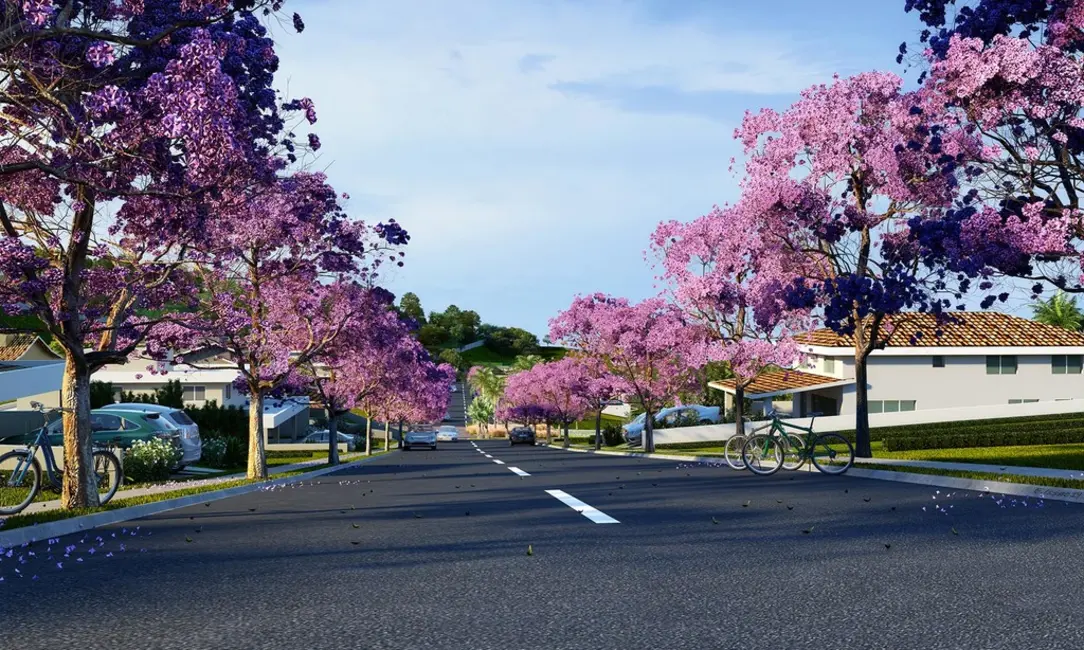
[[103, 422], [938, 361], [1066, 364], [1023, 401], [830, 366], [227, 392], [891, 405], [1001, 365], [194, 393]]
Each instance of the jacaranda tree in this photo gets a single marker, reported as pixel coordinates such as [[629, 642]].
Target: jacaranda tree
[[648, 349], [141, 107]]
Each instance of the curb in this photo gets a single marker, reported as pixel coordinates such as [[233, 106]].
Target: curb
[[30, 534], [1070, 495]]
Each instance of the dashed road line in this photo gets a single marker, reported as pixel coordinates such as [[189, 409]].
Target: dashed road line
[[517, 470], [590, 512], [498, 461]]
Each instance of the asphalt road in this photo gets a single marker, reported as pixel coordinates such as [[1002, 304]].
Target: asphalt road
[[429, 550]]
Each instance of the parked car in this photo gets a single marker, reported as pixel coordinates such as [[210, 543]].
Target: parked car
[[322, 436], [669, 417], [109, 427], [521, 435], [447, 433], [191, 444], [420, 439]]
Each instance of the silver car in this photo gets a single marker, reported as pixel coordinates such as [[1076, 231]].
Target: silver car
[[420, 439], [175, 418], [447, 433]]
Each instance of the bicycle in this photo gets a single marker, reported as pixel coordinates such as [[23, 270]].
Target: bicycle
[[766, 454], [21, 475]]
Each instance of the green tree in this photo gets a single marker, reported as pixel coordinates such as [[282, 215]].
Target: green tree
[[432, 335], [526, 362], [487, 382], [102, 393], [1059, 310], [453, 357], [172, 394], [480, 412], [410, 305]]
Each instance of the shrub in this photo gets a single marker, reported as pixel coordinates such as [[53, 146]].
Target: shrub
[[236, 452], [214, 452], [612, 435], [986, 439], [150, 460]]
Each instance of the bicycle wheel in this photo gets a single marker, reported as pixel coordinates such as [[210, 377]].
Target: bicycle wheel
[[762, 454], [732, 451], [109, 475], [793, 452], [832, 453], [20, 480]]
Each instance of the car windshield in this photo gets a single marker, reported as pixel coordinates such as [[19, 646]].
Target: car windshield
[[180, 417]]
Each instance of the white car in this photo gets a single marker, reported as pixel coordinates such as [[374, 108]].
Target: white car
[[420, 439], [447, 434]]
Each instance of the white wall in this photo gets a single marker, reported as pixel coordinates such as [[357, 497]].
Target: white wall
[[963, 382], [719, 432], [30, 378]]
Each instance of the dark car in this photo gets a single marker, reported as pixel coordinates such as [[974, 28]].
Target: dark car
[[521, 435]]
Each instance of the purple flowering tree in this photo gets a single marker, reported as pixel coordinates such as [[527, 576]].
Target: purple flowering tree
[[142, 107], [837, 180], [647, 348]]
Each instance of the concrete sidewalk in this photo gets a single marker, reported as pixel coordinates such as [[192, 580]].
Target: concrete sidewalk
[[174, 486]]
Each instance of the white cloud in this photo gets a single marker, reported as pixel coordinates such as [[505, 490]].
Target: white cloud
[[428, 104]]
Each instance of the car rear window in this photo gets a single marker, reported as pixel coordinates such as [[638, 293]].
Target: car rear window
[[180, 417]]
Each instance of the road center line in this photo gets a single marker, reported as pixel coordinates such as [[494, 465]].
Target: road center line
[[498, 461], [519, 471], [590, 512], [488, 456]]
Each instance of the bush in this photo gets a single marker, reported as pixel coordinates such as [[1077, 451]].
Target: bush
[[987, 439], [612, 435], [214, 452], [228, 422], [150, 460], [236, 452]]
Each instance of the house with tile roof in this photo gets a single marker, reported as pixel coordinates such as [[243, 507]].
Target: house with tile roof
[[28, 368], [973, 359]]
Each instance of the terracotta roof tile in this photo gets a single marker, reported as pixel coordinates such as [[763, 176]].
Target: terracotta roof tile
[[781, 380], [13, 346], [963, 329]]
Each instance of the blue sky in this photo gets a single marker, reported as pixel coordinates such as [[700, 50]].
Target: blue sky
[[530, 147]]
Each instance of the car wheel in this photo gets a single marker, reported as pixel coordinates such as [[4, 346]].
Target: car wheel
[[179, 468], [705, 422], [434, 447]]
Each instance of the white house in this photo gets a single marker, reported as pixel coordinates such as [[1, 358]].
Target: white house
[[976, 359], [213, 380], [28, 368]]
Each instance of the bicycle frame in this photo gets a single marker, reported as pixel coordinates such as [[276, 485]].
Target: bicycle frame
[[41, 441], [778, 430]]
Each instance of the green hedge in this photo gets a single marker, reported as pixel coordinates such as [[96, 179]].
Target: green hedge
[[991, 438], [966, 426]]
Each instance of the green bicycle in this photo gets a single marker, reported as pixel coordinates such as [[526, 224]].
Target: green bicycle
[[765, 454]]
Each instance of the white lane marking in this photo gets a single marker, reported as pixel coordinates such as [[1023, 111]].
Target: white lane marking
[[498, 461], [590, 512], [488, 456], [519, 471]]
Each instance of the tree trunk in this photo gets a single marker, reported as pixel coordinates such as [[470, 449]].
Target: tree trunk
[[368, 435], [257, 459], [739, 410], [862, 447], [80, 486], [648, 435], [400, 434], [564, 443], [598, 430], [332, 438], [547, 433], [387, 434]]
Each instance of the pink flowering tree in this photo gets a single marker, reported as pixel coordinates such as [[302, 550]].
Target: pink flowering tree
[[837, 181], [726, 277], [647, 348], [1012, 76], [271, 275], [118, 118]]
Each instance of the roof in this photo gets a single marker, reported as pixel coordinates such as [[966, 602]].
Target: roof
[[961, 329], [780, 382], [13, 347]]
